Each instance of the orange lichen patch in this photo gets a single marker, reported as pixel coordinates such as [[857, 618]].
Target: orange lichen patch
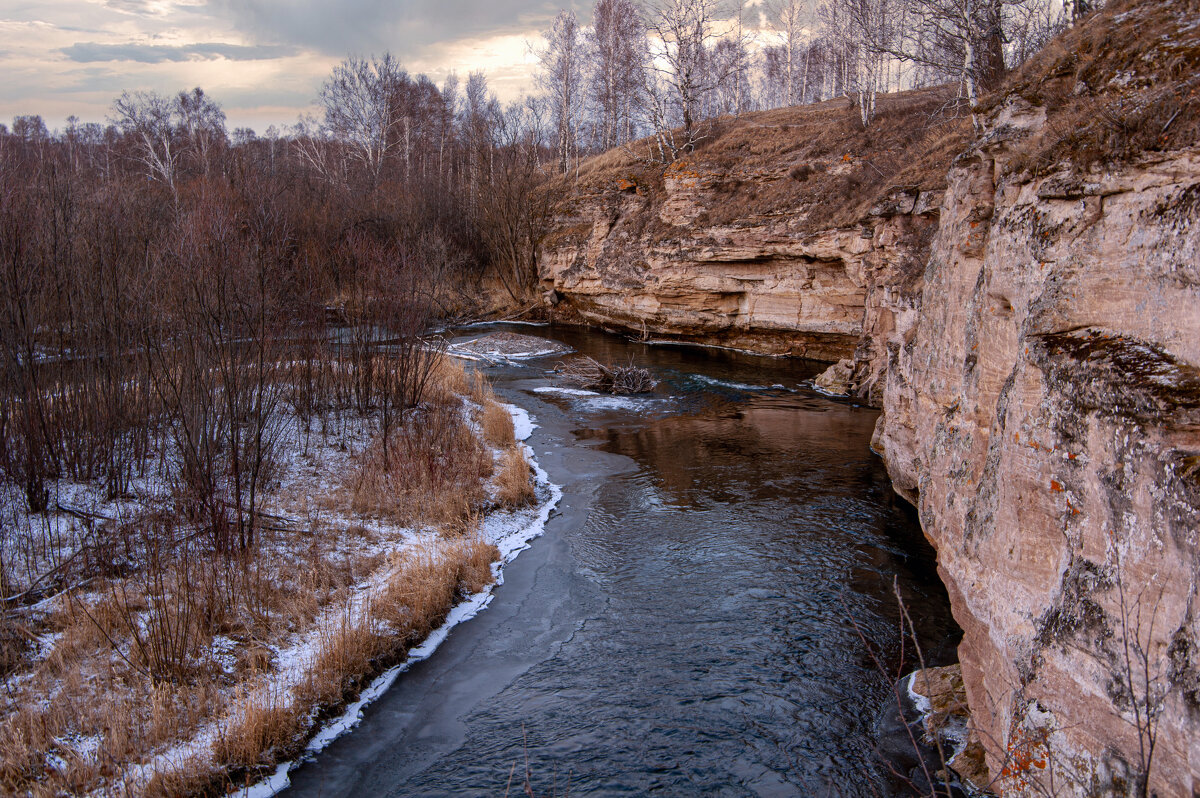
[[626, 184], [1027, 752], [1056, 486]]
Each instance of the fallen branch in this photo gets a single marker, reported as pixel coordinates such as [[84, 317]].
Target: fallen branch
[[589, 373]]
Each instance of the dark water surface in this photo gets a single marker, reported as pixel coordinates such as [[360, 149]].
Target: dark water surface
[[684, 626]]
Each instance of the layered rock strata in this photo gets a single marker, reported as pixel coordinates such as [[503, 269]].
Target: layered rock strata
[[761, 283], [1033, 337]]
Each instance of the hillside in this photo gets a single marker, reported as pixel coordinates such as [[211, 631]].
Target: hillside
[[768, 237]]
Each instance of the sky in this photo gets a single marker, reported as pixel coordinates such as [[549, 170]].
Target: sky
[[263, 60]]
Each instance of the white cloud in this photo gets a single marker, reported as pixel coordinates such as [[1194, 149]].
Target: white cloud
[[263, 60]]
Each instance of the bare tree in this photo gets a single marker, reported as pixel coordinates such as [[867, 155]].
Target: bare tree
[[478, 114], [787, 20], [685, 31], [513, 212], [562, 78], [873, 24], [960, 38], [203, 124], [148, 119], [445, 121], [359, 109], [619, 43], [730, 62]]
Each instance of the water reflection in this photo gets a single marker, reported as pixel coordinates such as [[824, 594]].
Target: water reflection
[[707, 604]]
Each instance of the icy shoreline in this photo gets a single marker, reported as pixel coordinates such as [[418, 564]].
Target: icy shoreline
[[512, 533]]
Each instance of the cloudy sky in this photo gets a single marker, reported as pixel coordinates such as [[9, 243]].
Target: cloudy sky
[[263, 60]]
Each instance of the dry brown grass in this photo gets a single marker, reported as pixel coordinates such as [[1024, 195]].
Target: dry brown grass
[[259, 725], [266, 726], [343, 659], [95, 683], [514, 482], [1124, 82], [424, 585], [431, 473], [172, 781], [497, 425], [815, 162], [450, 382], [475, 559], [263, 726]]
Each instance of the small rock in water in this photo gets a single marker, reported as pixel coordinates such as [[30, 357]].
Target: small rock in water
[[835, 380]]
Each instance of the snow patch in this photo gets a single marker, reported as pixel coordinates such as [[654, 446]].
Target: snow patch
[[511, 532], [522, 423], [565, 391]]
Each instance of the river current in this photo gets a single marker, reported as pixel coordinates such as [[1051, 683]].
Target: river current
[[695, 619]]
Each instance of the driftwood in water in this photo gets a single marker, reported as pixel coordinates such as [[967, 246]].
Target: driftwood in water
[[587, 372]]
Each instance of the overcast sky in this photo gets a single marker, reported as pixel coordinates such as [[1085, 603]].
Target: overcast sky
[[262, 60]]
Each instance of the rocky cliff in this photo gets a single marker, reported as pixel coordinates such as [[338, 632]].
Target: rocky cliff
[[1042, 409], [774, 236], [1029, 322]]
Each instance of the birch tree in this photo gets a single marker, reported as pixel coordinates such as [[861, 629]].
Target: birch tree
[[787, 20], [203, 124], [561, 77], [619, 43], [359, 109], [148, 119], [685, 31]]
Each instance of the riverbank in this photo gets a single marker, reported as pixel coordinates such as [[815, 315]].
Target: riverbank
[[177, 671], [681, 626]]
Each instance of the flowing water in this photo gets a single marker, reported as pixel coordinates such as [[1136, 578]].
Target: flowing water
[[696, 618]]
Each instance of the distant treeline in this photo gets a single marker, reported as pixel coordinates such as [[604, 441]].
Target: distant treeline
[[168, 285]]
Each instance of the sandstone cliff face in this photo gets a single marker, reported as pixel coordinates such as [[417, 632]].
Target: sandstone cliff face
[[760, 284], [1042, 408], [1033, 336], [746, 244]]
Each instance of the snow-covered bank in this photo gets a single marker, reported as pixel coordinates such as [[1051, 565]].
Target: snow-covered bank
[[503, 347], [157, 658], [511, 533]]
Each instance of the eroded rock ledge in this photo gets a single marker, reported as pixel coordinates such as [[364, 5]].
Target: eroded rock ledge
[[1041, 407], [1043, 411], [759, 286], [781, 235]]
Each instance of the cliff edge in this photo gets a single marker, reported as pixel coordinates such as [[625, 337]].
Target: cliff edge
[[773, 236], [1041, 407], [1020, 293]]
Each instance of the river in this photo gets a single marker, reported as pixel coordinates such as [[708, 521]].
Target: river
[[692, 621]]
